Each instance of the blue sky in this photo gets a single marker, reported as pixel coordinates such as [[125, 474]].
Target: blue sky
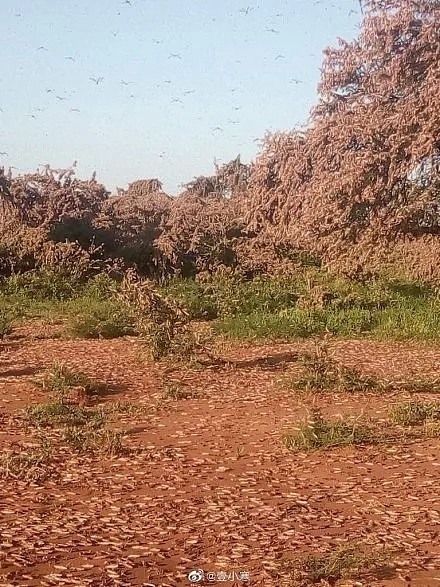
[[184, 81]]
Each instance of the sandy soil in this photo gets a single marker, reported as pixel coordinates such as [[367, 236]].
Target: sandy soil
[[208, 483]]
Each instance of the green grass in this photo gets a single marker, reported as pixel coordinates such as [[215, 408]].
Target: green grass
[[60, 379], [90, 318], [307, 304], [320, 372], [318, 433], [297, 323], [406, 322], [60, 413], [90, 440]]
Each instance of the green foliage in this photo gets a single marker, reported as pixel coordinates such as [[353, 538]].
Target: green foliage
[[58, 413], [60, 379], [100, 319], [100, 287], [193, 296], [44, 284]]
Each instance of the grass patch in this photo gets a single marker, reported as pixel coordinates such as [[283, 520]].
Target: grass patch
[[321, 372], [415, 413], [90, 440], [29, 465], [60, 380], [319, 433], [175, 391], [41, 284], [309, 303], [349, 561], [297, 323], [104, 319], [60, 413]]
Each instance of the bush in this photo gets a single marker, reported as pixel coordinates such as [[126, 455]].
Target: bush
[[44, 284], [100, 287], [194, 297]]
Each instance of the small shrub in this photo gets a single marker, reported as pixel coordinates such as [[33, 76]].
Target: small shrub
[[100, 287], [41, 284], [321, 372], [164, 327], [194, 297], [319, 433]]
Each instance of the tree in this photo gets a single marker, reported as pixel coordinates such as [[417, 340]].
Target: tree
[[351, 183]]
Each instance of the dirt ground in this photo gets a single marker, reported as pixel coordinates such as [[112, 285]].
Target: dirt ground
[[208, 483]]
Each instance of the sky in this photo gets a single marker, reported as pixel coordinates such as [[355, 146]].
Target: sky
[[137, 89]]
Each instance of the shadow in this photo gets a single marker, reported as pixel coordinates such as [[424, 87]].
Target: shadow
[[19, 372], [137, 430], [384, 572], [411, 290], [105, 390], [269, 363], [9, 345]]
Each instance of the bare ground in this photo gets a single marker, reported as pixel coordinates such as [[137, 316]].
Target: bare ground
[[208, 483]]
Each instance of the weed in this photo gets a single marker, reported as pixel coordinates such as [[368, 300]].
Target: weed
[[319, 433], [58, 413], [321, 372], [90, 440], [104, 320], [60, 379], [414, 413]]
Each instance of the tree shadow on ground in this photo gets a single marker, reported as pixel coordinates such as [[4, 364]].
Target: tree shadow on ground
[[19, 372], [274, 362]]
